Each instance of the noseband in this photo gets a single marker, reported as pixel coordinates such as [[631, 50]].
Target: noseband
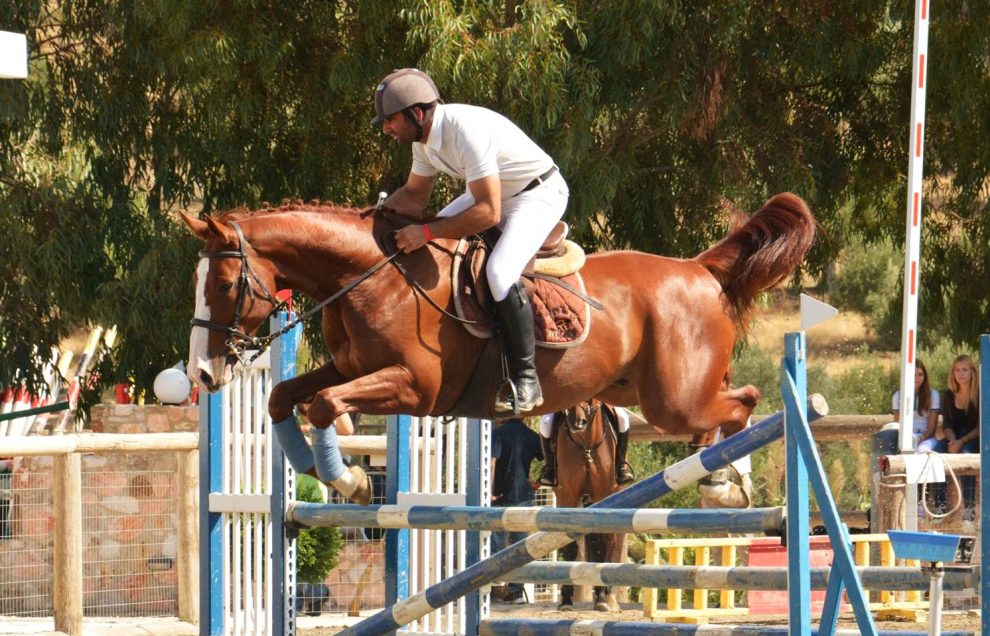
[[239, 342]]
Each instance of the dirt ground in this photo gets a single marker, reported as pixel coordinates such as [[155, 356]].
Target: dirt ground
[[956, 621]]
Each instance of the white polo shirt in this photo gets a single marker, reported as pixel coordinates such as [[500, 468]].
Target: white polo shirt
[[470, 142]]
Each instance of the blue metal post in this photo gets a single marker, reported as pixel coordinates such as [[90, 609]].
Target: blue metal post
[[396, 480], [211, 577], [794, 365], [985, 480], [283, 562], [843, 564]]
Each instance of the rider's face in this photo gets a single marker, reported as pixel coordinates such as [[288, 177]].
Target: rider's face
[[400, 128]]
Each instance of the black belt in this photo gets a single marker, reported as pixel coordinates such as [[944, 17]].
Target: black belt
[[540, 180]]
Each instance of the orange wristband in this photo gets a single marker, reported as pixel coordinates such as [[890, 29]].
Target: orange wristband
[[426, 232]]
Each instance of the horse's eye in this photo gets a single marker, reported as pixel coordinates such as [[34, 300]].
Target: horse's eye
[[226, 287]]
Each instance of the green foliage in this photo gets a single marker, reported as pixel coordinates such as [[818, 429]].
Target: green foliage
[[752, 366], [317, 549], [868, 281], [647, 459]]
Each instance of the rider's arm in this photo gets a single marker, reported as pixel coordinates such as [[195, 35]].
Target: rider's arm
[[411, 199], [485, 213]]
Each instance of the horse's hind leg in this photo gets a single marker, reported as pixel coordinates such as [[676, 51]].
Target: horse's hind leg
[[695, 413], [740, 402]]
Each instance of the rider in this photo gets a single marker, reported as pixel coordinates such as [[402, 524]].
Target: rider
[[623, 472], [511, 183]]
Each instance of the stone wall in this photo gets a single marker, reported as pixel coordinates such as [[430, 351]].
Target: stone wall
[[130, 522]]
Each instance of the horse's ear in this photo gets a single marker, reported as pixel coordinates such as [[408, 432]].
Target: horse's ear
[[197, 227], [223, 232]]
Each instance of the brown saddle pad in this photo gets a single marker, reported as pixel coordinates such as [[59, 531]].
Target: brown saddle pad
[[561, 317]]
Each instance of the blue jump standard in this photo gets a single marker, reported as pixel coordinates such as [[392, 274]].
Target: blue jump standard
[[530, 627], [532, 519], [674, 477]]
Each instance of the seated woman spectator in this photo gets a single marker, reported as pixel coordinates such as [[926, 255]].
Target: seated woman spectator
[[926, 408], [961, 416]]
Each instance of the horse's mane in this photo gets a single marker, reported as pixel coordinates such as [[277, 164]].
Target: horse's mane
[[287, 205]]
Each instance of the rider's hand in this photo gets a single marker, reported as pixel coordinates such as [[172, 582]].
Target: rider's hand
[[410, 238]]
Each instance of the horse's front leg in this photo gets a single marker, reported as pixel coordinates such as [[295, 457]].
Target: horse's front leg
[[323, 460], [288, 393], [389, 390]]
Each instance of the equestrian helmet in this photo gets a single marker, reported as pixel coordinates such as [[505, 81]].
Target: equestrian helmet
[[402, 89]]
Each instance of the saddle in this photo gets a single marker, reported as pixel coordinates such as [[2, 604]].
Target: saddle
[[561, 307]]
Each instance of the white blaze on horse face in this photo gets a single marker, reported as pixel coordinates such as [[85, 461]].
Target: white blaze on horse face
[[199, 336]]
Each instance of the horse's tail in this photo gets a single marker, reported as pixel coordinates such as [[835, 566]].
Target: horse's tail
[[762, 252]]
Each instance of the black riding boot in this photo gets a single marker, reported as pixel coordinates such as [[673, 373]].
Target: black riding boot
[[548, 476], [515, 318], [623, 472]]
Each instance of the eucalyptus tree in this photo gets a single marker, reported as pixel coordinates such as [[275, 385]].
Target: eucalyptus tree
[[666, 119]]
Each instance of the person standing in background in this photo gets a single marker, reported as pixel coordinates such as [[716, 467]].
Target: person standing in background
[[514, 447]]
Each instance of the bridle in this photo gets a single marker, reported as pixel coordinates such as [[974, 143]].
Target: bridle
[[238, 342], [579, 424]]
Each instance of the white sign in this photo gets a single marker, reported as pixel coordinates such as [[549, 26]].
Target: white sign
[[13, 55], [814, 311]]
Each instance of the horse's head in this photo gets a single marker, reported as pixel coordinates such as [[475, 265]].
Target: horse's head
[[232, 300], [582, 414]]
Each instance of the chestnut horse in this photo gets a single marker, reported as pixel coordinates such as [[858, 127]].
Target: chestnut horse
[[664, 339], [585, 442]]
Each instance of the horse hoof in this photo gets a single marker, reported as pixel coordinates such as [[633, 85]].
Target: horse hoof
[[602, 606], [362, 494], [565, 607]]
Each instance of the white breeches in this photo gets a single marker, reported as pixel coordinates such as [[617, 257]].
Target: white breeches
[[527, 220], [546, 422]]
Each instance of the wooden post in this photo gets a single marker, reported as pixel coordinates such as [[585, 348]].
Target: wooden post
[[727, 598], [650, 593], [702, 558], [187, 553], [68, 544]]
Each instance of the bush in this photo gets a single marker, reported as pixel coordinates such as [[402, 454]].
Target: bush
[[868, 281], [317, 549]]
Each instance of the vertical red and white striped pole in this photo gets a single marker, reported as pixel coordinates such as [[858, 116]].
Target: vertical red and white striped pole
[[912, 245]]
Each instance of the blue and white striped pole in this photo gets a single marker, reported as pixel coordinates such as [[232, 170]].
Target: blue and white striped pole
[[533, 519], [679, 475], [692, 577]]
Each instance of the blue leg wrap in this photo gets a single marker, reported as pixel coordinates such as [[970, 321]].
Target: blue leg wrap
[[294, 445], [329, 464]]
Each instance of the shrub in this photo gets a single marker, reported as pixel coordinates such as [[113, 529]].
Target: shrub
[[867, 280], [317, 549]]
